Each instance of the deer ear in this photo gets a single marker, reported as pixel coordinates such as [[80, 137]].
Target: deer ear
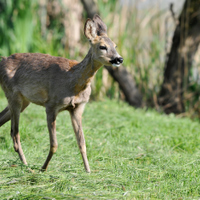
[[90, 30], [101, 27]]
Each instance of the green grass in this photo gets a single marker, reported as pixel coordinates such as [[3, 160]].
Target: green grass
[[133, 154]]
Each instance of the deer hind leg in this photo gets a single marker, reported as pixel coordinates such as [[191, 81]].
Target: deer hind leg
[[6, 116], [51, 122], [15, 107], [76, 118]]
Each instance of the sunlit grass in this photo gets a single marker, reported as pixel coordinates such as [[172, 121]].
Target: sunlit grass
[[132, 154]]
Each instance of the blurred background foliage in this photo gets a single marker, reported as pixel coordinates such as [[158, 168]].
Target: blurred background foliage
[[56, 27]]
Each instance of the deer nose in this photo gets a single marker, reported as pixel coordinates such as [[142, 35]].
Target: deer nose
[[117, 60], [120, 60]]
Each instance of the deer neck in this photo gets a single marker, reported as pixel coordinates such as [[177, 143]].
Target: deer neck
[[86, 70]]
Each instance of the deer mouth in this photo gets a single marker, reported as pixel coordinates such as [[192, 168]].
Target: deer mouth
[[115, 65]]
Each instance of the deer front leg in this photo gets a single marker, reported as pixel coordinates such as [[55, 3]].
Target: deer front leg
[[51, 121], [76, 115]]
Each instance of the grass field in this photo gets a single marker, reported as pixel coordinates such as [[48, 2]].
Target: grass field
[[133, 154]]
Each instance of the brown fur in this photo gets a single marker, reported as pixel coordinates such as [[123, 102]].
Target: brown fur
[[53, 82]]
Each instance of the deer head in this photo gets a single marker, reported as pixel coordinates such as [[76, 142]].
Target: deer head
[[103, 48]]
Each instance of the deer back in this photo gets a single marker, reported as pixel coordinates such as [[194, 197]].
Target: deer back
[[41, 78]]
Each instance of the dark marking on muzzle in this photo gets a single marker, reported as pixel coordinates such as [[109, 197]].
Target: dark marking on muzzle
[[117, 60]]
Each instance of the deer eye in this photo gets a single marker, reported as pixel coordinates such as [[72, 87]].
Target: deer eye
[[103, 48]]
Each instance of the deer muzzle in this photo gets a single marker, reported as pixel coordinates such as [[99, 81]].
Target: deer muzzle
[[116, 61]]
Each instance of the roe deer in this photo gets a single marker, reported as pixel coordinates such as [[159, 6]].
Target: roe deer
[[57, 84]]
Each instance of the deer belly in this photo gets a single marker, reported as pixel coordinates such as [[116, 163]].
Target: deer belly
[[39, 97]]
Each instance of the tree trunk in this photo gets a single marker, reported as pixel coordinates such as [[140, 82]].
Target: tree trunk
[[184, 46], [127, 85], [90, 7], [121, 75]]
